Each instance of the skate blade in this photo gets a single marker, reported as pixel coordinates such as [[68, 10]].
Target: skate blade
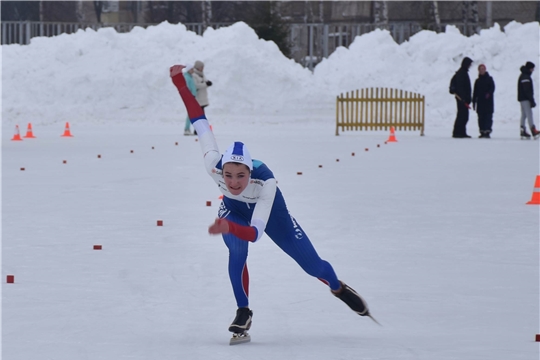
[[372, 318], [240, 338]]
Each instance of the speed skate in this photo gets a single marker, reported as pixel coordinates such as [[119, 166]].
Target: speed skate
[[240, 338], [240, 326]]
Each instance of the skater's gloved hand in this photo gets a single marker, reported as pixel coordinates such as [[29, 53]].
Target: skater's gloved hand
[[220, 226], [533, 104], [223, 226], [208, 83]]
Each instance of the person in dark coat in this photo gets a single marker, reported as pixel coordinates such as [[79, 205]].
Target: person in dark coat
[[483, 102], [526, 100], [462, 93]]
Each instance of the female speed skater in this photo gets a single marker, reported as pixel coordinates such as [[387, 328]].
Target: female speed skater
[[252, 205]]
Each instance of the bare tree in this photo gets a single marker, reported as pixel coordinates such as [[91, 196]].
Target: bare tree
[[436, 17], [376, 12], [41, 11], [206, 8], [380, 14], [79, 13], [309, 11], [384, 13], [276, 10], [136, 11], [489, 13], [475, 19], [465, 16], [98, 8]]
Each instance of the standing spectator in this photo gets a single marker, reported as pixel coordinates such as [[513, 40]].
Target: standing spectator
[[201, 83], [526, 99], [461, 88], [188, 75], [483, 103]]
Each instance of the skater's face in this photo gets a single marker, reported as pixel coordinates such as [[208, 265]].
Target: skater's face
[[236, 177]]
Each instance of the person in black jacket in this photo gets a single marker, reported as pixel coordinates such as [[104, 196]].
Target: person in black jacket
[[462, 91], [483, 102], [526, 100]]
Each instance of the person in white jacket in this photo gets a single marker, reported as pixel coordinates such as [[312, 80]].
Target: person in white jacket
[[201, 83], [252, 205]]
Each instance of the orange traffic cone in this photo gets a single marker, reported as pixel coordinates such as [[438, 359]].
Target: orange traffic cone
[[67, 133], [17, 136], [535, 200], [29, 133], [392, 137]]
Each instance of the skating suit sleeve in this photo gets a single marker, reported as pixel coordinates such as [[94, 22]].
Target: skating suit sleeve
[[265, 185]]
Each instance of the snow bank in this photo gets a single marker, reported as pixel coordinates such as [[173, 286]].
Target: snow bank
[[103, 76]]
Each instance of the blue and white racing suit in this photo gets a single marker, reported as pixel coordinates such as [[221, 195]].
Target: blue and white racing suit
[[262, 206]]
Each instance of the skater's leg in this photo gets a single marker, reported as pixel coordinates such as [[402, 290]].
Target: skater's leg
[[238, 270], [289, 236], [297, 245]]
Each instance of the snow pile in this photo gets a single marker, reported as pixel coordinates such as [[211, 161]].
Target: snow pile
[[426, 63], [103, 76]]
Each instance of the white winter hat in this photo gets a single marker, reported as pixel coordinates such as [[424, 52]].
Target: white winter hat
[[237, 153], [188, 67]]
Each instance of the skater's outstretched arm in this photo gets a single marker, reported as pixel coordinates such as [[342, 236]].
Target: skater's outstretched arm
[[198, 119]]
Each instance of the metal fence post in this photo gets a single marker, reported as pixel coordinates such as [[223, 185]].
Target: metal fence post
[[28, 33], [20, 33], [310, 27], [325, 41]]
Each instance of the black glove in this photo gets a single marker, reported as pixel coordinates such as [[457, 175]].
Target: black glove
[[208, 83], [533, 104]]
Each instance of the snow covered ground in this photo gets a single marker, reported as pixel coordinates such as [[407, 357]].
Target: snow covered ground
[[432, 231]]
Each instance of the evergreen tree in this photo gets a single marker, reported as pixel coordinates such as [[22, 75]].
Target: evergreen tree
[[264, 17]]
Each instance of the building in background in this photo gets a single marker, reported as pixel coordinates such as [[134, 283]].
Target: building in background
[[306, 31]]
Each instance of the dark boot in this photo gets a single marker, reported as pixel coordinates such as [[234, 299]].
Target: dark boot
[[242, 321], [524, 134], [352, 299], [484, 134]]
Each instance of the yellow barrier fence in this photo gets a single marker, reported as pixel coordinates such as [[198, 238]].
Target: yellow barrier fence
[[380, 109]]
